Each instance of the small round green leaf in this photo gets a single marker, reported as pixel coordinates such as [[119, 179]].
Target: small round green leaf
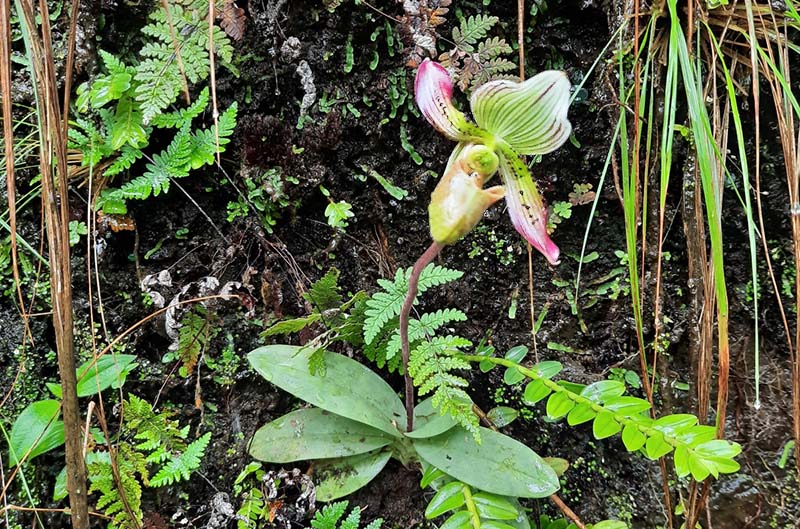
[[602, 390], [605, 425], [494, 507], [632, 437], [559, 404], [314, 434], [548, 368], [580, 414], [460, 520], [656, 446], [449, 498], [494, 524], [512, 375], [534, 392], [517, 353]]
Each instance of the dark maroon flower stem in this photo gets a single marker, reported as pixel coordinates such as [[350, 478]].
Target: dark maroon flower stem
[[413, 282]]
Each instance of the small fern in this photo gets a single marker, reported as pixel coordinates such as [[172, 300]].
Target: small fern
[[471, 66], [194, 336], [181, 466], [159, 76], [330, 517], [431, 367], [101, 480], [473, 29], [341, 321], [386, 304], [122, 108], [148, 440]]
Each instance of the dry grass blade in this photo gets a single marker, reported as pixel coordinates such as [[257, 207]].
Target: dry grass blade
[[55, 174]]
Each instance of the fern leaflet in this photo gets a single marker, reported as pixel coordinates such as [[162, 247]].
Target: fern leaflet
[[181, 466], [431, 366], [473, 29], [330, 517]]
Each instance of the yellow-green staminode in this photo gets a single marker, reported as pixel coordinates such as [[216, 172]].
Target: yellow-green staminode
[[459, 200]]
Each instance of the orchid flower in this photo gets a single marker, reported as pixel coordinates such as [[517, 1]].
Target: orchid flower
[[511, 119]]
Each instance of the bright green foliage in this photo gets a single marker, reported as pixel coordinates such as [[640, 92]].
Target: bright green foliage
[[431, 367], [383, 308], [129, 462], [338, 214], [462, 502], [341, 320], [148, 441], [471, 30], [386, 304], [119, 110], [253, 509], [159, 77], [697, 451], [330, 517], [189, 149], [180, 467]]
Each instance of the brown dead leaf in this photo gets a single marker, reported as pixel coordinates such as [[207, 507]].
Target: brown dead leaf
[[232, 20]]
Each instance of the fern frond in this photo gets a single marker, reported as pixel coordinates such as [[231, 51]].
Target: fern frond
[[386, 304], [172, 163], [182, 465], [329, 518], [128, 155], [324, 293], [101, 478], [493, 47], [424, 327], [472, 30], [181, 117], [204, 142], [431, 367]]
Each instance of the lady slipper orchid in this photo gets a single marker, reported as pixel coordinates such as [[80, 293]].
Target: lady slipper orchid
[[511, 119], [459, 200]]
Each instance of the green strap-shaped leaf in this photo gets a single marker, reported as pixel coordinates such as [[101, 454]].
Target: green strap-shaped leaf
[[342, 476], [348, 388], [530, 116], [314, 434], [508, 468]]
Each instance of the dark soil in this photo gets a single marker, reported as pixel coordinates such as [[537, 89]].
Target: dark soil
[[604, 481]]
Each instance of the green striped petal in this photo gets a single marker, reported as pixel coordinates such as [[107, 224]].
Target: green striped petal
[[530, 116]]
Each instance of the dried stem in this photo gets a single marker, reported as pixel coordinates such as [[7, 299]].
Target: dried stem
[[413, 282]]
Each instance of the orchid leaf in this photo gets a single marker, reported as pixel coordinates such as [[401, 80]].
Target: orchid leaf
[[428, 422], [508, 467], [348, 388], [314, 434], [342, 476]]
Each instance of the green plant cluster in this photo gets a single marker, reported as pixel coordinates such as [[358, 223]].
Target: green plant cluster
[[148, 440], [697, 451], [119, 111]]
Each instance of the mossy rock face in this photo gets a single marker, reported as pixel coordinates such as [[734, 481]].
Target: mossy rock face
[[363, 120]]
